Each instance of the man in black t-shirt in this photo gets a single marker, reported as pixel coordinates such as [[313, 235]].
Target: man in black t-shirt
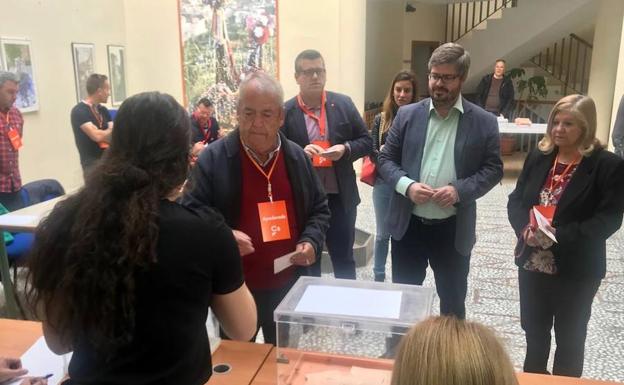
[[91, 122]]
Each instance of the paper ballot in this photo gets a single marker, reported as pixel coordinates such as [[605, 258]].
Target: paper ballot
[[350, 301], [282, 262], [40, 361], [543, 223]]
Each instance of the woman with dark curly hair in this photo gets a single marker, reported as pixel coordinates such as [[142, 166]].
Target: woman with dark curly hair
[[119, 272]]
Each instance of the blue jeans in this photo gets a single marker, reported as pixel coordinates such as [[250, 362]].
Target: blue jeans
[[382, 192]]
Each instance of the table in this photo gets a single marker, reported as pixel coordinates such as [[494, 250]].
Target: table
[[535, 129], [17, 336], [23, 220], [268, 373], [252, 364]]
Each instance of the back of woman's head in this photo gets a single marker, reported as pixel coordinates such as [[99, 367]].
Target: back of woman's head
[[448, 351], [88, 250]]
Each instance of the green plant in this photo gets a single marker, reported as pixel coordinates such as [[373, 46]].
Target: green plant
[[535, 85]]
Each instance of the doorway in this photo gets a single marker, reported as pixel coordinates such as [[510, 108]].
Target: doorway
[[421, 52]]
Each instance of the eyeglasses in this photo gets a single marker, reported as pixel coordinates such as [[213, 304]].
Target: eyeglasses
[[312, 71], [444, 78]]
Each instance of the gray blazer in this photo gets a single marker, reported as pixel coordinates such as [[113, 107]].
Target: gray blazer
[[477, 163]]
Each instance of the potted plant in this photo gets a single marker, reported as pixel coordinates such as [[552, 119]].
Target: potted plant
[[529, 90]]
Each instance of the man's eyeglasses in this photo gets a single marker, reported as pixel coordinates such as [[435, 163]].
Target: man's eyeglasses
[[444, 78], [312, 71]]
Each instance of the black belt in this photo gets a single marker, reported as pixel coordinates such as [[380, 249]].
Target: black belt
[[430, 222]]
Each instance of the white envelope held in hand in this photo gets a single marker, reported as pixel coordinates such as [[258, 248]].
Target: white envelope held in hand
[[282, 262]]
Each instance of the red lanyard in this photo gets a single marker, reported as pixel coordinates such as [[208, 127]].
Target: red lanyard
[[207, 131], [320, 120], [560, 177], [98, 117], [267, 176]]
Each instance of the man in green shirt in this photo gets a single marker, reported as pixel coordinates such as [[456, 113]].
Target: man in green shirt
[[441, 154]]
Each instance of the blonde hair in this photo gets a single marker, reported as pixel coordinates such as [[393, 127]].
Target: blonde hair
[[448, 351], [583, 109]]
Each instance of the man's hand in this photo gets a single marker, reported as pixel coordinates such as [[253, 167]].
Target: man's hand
[[243, 240], [335, 152], [197, 148], [10, 368], [313, 149], [419, 193], [445, 196], [305, 254]]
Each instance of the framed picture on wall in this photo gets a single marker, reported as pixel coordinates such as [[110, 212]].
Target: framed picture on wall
[[222, 42], [17, 58], [117, 73], [84, 65]]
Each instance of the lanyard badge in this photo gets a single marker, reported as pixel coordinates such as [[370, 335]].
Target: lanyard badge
[[273, 215]]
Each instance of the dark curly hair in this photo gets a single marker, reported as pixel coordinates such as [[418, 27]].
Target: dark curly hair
[[88, 251]]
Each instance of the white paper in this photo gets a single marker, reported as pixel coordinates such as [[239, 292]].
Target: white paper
[[41, 361], [328, 152], [542, 224], [350, 301], [21, 220], [282, 262]]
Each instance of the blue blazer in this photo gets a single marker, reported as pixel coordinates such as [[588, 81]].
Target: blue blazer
[[345, 126], [477, 164]]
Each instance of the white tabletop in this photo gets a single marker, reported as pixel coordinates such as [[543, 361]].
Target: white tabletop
[[28, 218], [512, 128]]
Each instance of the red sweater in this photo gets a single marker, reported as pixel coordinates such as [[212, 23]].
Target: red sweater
[[258, 266]]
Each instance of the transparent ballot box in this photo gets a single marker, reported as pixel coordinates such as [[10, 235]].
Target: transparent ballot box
[[338, 331]]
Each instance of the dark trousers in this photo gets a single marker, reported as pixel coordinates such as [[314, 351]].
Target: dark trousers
[[267, 301], [433, 244], [565, 302], [11, 200], [339, 239]]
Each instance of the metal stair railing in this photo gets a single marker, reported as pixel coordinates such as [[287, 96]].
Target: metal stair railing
[[568, 61], [461, 18]]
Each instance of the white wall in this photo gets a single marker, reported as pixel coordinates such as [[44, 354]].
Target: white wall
[[427, 23], [619, 82], [604, 66], [337, 30], [153, 47], [49, 150], [384, 48]]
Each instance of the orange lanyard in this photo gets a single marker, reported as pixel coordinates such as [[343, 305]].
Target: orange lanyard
[[267, 176], [560, 176], [98, 117], [320, 120]]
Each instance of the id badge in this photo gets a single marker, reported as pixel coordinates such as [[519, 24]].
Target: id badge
[[274, 221], [319, 161], [15, 138]]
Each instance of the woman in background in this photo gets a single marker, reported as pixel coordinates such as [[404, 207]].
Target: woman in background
[[449, 351], [571, 175], [403, 90], [121, 275]]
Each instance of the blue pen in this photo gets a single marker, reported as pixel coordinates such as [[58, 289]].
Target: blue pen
[[47, 376]]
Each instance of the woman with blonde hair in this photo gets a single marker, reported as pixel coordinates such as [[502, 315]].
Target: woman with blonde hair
[[403, 90], [449, 351], [580, 186]]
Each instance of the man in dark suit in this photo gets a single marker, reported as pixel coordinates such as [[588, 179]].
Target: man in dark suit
[[331, 131], [266, 189], [441, 154]]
